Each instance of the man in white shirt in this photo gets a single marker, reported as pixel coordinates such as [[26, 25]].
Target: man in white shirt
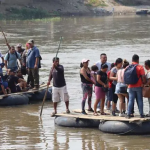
[[103, 60], [1, 62]]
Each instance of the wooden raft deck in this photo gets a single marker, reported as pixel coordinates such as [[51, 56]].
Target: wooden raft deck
[[102, 117]]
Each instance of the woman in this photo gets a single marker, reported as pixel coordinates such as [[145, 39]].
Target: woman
[[113, 77], [87, 83], [121, 89], [100, 93], [147, 67]]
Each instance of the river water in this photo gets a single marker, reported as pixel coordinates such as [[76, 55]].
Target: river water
[[87, 37]]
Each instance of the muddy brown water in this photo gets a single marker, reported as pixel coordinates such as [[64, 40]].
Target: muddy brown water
[[85, 37]]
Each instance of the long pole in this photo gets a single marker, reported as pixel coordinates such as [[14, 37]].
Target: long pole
[[50, 76], [5, 37]]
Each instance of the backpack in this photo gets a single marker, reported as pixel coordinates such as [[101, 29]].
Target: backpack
[[9, 55], [130, 75]]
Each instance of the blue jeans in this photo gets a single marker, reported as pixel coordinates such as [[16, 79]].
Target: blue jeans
[[135, 93]]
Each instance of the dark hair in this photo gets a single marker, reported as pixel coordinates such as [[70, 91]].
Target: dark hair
[[81, 65], [135, 58], [147, 63], [125, 63], [112, 65], [55, 58], [104, 66], [102, 54], [118, 61], [94, 68]]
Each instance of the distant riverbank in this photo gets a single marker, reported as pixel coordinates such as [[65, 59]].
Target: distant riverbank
[[33, 9]]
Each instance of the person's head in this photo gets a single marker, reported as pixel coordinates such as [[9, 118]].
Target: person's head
[[94, 68], [103, 58], [135, 58], [125, 63], [118, 62], [56, 61], [104, 67], [112, 65], [85, 63], [27, 46], [12, 72], [12, 49], [19, 47], [31, 43], [19, 73], [147, 64]]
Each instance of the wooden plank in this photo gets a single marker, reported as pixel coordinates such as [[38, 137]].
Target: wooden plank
[[42, 87], [104, 117]]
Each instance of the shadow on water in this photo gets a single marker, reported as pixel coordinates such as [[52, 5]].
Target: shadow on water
[[21, 127]]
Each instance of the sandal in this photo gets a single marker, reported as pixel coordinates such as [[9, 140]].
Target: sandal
[[102, 113], [96, 114], [53, 114], [67, 111], [147, 115]]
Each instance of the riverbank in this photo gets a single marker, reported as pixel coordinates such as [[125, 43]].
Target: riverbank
[[32, 9]]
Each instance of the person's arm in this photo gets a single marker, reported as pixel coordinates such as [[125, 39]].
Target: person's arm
[[143, 77], [5, 60], [100, 82], [112, 74], [2, 59], [83, 72], [37, 55], [5, 64]]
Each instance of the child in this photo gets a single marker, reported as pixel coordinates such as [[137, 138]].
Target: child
[[94, 70]]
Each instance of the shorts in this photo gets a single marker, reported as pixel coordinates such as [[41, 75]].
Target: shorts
[[99, 93], [118, 86], [60, 93], [115, 97], [110, 94]]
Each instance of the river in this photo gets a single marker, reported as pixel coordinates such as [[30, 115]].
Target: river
[[86, 37]]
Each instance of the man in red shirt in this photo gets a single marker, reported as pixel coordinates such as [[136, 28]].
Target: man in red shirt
[[135, 90]]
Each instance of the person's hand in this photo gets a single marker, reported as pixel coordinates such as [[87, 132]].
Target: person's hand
[[105, 85], [35, 66], [48, 83]]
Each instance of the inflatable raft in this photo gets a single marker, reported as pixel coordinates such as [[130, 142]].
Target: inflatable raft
[[125, 128], [23, 98], [107, 123]]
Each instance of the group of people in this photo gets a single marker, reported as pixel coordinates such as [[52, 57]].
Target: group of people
[[112, 81], [18, 62]]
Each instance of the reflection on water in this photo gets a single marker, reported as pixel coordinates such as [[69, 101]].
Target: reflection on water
[[21, 127]]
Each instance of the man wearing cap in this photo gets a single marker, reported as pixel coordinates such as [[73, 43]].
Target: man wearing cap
[[11, 59], [33, 64], [59, 85], [19, 48]]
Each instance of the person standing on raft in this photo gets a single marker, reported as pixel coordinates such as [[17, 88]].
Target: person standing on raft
[[86, 84], [59, 88]]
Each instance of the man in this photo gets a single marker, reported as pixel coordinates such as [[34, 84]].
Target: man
[[103, 60], [33, 64], [59, 85], [11, 59], [1, 63], [135, 90], [13, 81], [19, 48]]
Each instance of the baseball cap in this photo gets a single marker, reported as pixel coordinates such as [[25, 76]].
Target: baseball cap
[[85, 60], [31, 41], [19, 45]]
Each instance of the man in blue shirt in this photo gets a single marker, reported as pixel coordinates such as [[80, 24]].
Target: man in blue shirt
[[11, 59], [33, 64]]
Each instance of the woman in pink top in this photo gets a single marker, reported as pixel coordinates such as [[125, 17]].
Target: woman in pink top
[[121, 89]]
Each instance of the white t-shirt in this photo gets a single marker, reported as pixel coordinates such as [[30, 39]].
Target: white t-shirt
[[99, 63], [148, 76], [1, 57]]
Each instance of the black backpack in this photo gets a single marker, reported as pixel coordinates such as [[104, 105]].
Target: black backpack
[[9, 55]]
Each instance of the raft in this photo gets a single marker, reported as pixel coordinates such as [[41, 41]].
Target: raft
[[142, 12], [23, 98], [105, 123]]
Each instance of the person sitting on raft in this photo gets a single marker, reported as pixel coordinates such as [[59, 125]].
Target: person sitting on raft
[[101, 89], [13, 81], [59, 86], [3, 87], [86, 84]]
